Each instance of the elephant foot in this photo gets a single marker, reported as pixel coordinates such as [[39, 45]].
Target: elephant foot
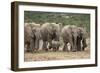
[[83, 48], [49, 47]]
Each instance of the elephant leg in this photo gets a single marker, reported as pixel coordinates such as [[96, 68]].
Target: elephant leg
[[65, 48], [50, 44], [28, 46], [79, 44], [54, 48], [72, 49], [45, 46], [72, 45], [84, 44], [57, 48], [36, 44], [71, 41], [75, 41], [32, 45]]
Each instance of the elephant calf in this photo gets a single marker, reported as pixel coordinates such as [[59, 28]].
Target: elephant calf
[[55, 45]]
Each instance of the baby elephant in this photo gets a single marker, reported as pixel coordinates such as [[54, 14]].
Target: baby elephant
[[55, 45]]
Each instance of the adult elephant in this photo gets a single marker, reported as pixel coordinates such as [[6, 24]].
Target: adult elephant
[[32, 36], [49, 32], [69, 36], [73, 35]]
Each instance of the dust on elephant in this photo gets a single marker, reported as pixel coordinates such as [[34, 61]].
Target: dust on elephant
[[49, 32], [32, 36]]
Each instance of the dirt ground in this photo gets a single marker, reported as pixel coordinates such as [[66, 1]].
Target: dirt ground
[[58, 55]]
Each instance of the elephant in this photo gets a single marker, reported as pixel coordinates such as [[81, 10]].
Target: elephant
[[81, 39], [55, 45], [32, 36], [49, 32], [73, 35], [67, 34]]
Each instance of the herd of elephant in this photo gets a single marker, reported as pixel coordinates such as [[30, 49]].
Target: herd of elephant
[[51, 35]]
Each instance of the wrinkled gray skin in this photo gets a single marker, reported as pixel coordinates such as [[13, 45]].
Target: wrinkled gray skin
[[73, 35], [32, 36], [49, 32]]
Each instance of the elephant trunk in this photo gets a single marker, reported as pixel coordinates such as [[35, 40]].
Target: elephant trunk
[[74, 43]]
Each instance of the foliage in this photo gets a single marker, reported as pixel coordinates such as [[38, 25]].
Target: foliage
[[82, 20]]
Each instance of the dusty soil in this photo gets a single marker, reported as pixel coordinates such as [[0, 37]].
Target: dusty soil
[[58, 55]]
